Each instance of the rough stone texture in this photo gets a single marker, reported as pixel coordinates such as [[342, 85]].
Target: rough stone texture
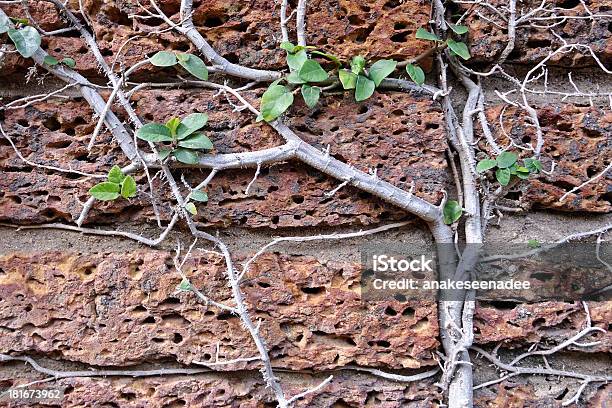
[[122, 309], [242, 389], [409, 130], [547, 322], [578, 140], [487, 40], [245, 32]]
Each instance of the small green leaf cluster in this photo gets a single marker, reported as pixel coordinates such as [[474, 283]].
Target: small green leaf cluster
[[52, 61], [363, 80], [457, 48], [25, 37], [195, 195], [182, 138], [192, 63], [117, 184], [304, 72], [451, 212], [506, 166]]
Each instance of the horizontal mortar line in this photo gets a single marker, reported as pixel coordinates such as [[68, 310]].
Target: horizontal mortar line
[[120, 371]]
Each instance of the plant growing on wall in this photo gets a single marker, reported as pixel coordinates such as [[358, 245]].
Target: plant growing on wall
[[116, 185], [178, 138]]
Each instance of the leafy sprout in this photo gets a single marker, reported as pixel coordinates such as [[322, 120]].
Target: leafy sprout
[[506, 167], [451, 212], [116, 184], [304, 72], [365, 81], [191, 63], [180, 138]]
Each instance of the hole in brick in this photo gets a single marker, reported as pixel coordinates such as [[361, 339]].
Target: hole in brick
[[298, 199], [400, 37], [400, 25], [431, 126], [383, 343], [542, 277], [23, 122], [213, 21], [263, 285], [390, 311], [272, 189], [51, 124], [526, 139], [538, 322], [355, 20], [177, 338], [60, 144], [391, 4], [568, 4], [157, 340], [532, 43], [502, 305], [275, 219], [313, 291], [226, 316], [408, 312], [149, 320], [68, 389]]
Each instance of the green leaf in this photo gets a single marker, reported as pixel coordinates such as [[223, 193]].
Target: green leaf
[[183, 57], [17, 20], [357, 64], [503, 176], [416, 73], [26, 40], [163, 59], [533, 165], [294, 78], [327, 56], [312, 71], [380, 70], [311, 95], [190, 124], [458, 48], [196, 141], [364, 88], [295, 61], [288, 46], [5, 23], [186, 156], [347, 78], [451, 212], [486, 164], [423, 34], [163, 153], [276, 100], [105, 191], [459, 29], [115, 175], [154, 132], [200, 196], [533, 243], [185, 285], [51, 61], [173, 124], [69, 62], [506, 159], [128, 187], [191, 208], [195, 66]]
